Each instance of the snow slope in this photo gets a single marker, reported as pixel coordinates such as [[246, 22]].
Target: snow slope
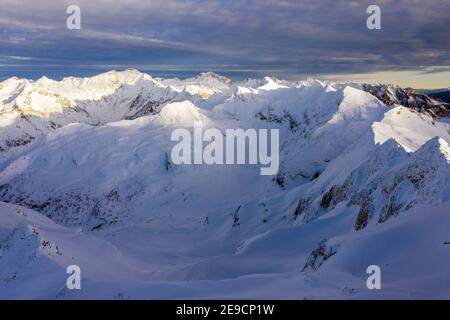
[[361, 182], [31, 108]]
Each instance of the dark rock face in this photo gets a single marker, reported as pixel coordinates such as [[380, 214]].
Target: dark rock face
[[364, 214], [409, 98], [319, 255]]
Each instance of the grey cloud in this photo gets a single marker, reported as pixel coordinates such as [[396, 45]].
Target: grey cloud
[[245, 37]]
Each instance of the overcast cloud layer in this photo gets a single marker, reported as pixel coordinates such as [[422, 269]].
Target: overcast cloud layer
[[236, 38]]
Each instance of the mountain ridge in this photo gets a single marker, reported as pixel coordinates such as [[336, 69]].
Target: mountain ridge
[[129, 94]]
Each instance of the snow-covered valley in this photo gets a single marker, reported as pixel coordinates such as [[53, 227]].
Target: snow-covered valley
[[85, 179]]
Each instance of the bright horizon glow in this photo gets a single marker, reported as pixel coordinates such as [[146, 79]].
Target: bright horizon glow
[[412, 79]]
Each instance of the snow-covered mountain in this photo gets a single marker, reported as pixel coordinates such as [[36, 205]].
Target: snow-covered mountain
[[85, 178], [31, 108]]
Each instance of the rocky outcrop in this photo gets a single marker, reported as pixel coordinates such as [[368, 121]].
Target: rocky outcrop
[[409, 98]]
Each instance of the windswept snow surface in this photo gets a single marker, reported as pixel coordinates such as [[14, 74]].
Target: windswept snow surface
[[86, 179]]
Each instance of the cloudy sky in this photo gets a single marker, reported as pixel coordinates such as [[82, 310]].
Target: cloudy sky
[[288, 39]]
